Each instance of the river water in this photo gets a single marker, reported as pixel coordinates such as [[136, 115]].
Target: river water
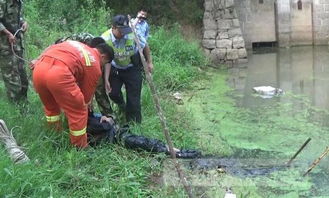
[[253, 132], [303, 74], [302, 71]]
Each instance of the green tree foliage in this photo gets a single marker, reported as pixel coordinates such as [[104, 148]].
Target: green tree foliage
[[73, 16], [50, 20], [174, 56], [162, 11]]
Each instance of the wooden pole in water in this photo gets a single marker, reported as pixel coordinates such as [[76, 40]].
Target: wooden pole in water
[[300, 149], [317, 161], [161, 116]]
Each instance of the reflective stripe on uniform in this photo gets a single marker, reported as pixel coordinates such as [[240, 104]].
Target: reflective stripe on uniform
[[83, 51], [79, 132], [53, 118], [122, 53], [85, 55]]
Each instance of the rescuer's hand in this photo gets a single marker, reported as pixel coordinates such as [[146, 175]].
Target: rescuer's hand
[[32, 64], [108, 88], [11, 38], [106, 119], [150, 67], [25, 26]]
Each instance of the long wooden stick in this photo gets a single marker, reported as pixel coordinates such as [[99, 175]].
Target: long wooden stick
[[300, 149], [317, 161], [161, 116], [16, 153]]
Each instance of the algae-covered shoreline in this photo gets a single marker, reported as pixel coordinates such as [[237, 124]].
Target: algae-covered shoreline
[[261, 134]]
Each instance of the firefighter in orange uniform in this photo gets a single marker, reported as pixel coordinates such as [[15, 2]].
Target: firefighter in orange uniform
[[65, 77]]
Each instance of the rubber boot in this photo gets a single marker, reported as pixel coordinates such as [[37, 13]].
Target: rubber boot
[[79, 141], [56, 126]]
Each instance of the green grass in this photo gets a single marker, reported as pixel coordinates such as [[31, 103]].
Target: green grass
[[56, 168], [59, 170]]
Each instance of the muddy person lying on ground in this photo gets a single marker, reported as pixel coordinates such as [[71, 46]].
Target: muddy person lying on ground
[[104, 129]]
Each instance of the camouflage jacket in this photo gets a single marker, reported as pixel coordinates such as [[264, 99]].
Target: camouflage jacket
[[102, 98], [10, 18], [83, 37]]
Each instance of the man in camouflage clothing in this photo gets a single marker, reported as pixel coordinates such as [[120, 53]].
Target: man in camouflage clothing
[[83, 37], [102, 98], [12, 69]]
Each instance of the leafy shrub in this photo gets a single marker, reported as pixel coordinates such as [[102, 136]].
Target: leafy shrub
[[50, 20], [162, 11], [175, 59], [71, 16]]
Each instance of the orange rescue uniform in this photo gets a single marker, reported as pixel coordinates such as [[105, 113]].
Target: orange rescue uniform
[[65, 77]]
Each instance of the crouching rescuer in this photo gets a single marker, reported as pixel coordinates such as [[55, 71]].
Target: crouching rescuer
[[65, 77]]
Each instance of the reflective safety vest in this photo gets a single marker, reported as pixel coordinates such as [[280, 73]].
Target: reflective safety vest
[[87, 56], [122, 54]]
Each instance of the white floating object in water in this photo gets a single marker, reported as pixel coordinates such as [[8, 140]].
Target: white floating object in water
[[178, 96], [267, 91], [229, 194]]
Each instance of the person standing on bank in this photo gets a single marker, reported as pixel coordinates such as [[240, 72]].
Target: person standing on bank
[[141, 25], [12, 27], [126, 68]]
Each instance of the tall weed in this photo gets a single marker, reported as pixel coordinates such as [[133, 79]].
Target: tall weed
[[59, 170], [175, 59]]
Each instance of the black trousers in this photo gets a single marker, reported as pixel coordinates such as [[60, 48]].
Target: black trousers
[[132, 79], [98, 132]]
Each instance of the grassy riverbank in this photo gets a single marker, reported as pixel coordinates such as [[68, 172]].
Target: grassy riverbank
[[58, 170], [209, 120]]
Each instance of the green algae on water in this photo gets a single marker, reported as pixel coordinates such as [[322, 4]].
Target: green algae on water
[[273, 130]]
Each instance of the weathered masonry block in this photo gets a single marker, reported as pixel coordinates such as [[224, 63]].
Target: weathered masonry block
[[244, 24], [222, 36], [285, 23]]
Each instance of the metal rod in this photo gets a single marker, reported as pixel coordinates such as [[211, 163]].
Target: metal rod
[[161, 116], [300, 149], [317, 161]]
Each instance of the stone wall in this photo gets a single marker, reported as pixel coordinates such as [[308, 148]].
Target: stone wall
[[301, 23], [222, 36], [257, 21], [231, 26], [283, 11], [321, 21], [281, 21]]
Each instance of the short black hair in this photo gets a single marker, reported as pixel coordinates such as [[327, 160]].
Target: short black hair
[[104, 48], [96, 41], [143, 10]]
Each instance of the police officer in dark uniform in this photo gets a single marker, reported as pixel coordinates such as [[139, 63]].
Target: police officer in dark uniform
[[126, 68]]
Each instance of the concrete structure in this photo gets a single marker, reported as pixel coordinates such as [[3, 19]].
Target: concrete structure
[[222, 38], [282, 23]]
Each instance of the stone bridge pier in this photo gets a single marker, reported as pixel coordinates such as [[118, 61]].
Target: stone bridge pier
[[222, 36], [232, 26]]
